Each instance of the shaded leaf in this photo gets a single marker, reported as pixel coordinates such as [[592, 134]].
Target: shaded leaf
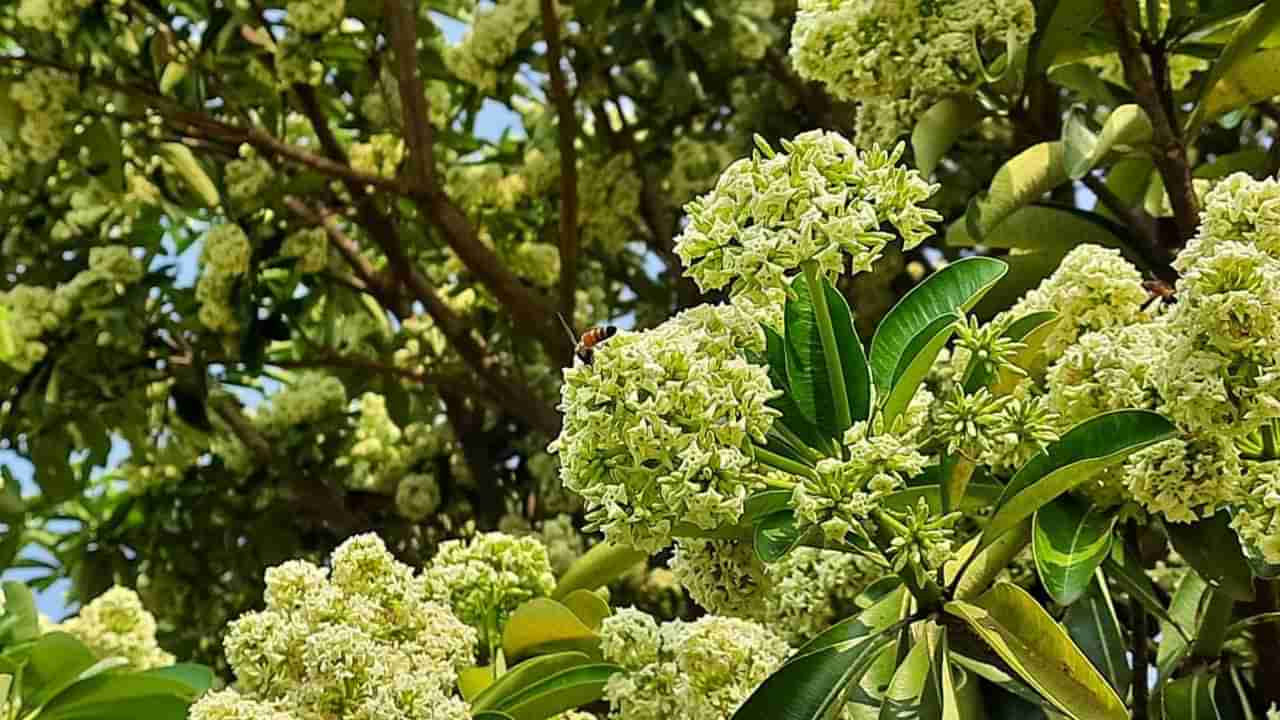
[[1211, 547], [776, 535], [563, 691], [1093, 625], [939, 127], [526, 674], [1122, 566], [1200, 696], [1184, 611]]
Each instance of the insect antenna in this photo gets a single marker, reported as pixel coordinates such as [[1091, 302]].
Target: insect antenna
[[573, 337]]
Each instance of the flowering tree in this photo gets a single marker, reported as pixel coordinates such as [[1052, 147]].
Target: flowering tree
[[948, 384]]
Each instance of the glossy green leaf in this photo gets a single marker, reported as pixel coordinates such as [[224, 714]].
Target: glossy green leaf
[[1021, 181], [1221, 89], [902, 699], [57, 659], [543, 625], [1040, 652], [1087, 448], [1093, 625], [590, 608], [939, 128], [812, 685], [563, 691], [197, 677], [812, 384], [524, 675], [122, 696], [597, 567], [975, 656], [776, 535], [979, 573], [1211, 547], [1127, 125], [1061, 33], [492, 715], [475, 680], [792, 417], [1070, 539], [916, 361], [951, 290]]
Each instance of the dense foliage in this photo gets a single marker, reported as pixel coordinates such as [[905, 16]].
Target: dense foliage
[[947, 381]]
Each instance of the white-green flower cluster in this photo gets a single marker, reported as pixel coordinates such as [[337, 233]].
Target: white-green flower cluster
[[819, 199], [43, 95], [115, 624], [380, 155], [486, 578], [799, 596], [33, 312], [845, 492], [310, 246], [658, 429], [898, 58], [609, 202], [1094, 288], [417, 496], [314, 16], [248, 178], [224, 258], [695, 165], [564, 543], [381, 452], [1257, 519], [60, 17], [494, 37], [364, 640], [701, 670]]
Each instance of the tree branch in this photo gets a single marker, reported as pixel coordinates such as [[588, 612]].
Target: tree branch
[[568, 129], [1146, 233], [815, 100], [527, 307], [1170, 154], [228, 409]]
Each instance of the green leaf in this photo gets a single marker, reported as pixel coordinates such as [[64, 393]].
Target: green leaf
[[902, 699], [526, 674], [184, 162], [20, 606], [1040, 652], [492, 715], [792, 417], [563, 691], [106, 155], [122, 696], [1127, 125], [475, 680], [8, 348], [1201, 696], [812, 383], [977, 497], [197, 677], [776, 535], [757, 506], [1181, 623], [57, 659], [599, 566], [1093, 625], [1211, 547], [544, 625], [917, 359], [590, 608], [978, 374], [1081, 452], [952, 290], [1250, 81], [939, 128], [1122, 566], [1221, 89], [988, 562], [1062, 32], [1070, 539], [1022, 180], [811, 685]]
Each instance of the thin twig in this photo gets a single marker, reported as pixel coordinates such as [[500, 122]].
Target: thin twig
[[1146, 234]]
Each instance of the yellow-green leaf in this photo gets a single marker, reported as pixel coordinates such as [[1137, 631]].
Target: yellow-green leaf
[[588, 606], [526, 674], [184, 162], [1037, 648], [1225, 87], [563, 691], [600, 565], [1022, 180], [939, 127], [473, 681], [544, 625], [1070, 539]]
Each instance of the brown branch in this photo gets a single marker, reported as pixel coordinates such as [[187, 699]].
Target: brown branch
[[349, 249], [516, 396], [1146, 233], [568, 129], [815, 100], [228, 408], [528, 308], [1170, 154]]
